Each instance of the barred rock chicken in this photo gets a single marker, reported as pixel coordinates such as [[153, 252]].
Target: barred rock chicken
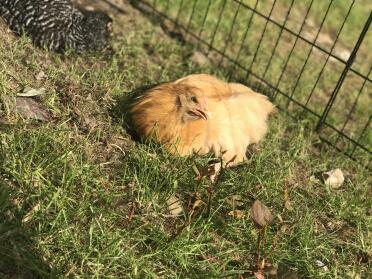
[[57, 24], [201, 114]]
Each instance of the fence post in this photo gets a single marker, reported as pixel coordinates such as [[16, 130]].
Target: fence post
[[348, 65]]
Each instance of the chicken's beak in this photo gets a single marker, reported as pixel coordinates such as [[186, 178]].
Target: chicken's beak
[[201, 112]]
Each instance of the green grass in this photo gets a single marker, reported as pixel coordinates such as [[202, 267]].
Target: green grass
[[69, 186]]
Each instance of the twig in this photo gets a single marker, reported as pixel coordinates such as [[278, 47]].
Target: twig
[[214, 184], [259, 249], [131, 213], [275, 243]]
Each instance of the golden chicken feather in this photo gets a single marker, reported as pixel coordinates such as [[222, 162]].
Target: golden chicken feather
[[200, 114]]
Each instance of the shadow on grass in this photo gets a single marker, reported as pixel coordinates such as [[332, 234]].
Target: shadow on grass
[[173, 31], [120, 111], [19, 257]]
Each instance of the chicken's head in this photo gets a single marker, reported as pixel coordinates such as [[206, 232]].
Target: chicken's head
[[192, 105]]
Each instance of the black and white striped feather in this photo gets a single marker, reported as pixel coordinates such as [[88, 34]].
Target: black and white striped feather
[[57, 24]]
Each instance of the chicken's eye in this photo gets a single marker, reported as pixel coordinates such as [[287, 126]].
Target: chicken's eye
[[193, 99]]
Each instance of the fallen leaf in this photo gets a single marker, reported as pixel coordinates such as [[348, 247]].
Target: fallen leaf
[[32, 92], [321, 265], [174, 206], [29, 108], [259, 275], [215, 171], [287, 205], [314, 179], [30, 214], [89, 122], [237, 214], [235, 201], [41, 75], [260, 214], [287, 202], [334, 178], [197, 203], [284, 228]]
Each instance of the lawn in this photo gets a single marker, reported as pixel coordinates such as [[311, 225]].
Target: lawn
[[80, 199]]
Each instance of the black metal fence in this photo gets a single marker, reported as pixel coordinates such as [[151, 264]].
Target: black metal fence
[[311, 56]]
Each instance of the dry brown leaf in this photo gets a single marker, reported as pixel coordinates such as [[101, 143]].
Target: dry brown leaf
[[29, 108], [41, 75], [32, 92], [314, 179], [175, 207], [197, 203], [89, 122], [237, 214], [334, 178], [321, 265], [235, 201], [260, 214], [31, 213], [215, 171], [259, 275], [284, 228], [287, 205], [287, 202]]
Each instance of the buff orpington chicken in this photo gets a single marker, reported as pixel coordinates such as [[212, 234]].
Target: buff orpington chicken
[[200, 114]]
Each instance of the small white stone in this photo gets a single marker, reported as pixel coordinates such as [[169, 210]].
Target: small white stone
[[334, 178]]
